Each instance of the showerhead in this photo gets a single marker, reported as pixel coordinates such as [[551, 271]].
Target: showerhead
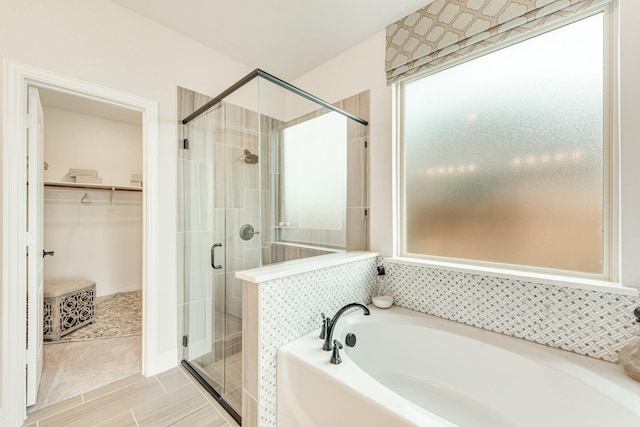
[[250, 158]]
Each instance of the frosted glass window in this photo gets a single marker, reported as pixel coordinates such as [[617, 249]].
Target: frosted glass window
[[314, 173], [503, 155]]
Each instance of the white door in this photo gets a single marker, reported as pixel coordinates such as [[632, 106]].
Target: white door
[[35, 246]]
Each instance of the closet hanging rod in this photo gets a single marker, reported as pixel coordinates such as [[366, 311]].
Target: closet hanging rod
[[83, 186]]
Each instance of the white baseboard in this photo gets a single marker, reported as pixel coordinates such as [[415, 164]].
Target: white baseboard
[[161, 362]]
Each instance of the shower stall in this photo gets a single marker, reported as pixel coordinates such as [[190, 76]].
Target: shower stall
[[268, 173]]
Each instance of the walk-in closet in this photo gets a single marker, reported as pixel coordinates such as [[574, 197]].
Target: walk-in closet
[[91, 231]]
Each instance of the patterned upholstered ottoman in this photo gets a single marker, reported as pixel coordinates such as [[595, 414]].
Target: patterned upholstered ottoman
[[68, 305]]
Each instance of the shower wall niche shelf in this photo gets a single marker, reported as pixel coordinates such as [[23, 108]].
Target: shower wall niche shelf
[[90, 186]]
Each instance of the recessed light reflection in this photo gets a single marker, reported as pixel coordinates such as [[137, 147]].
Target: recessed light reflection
[[559, 156], [451, 170]]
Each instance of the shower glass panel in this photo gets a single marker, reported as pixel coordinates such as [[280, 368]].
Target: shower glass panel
[[268, 176], [313, 176], [221, 203]]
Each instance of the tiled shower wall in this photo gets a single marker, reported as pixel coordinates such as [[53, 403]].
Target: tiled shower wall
[[591, 323], [279, 311]]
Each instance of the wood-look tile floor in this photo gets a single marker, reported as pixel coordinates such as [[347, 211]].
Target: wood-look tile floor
[[172, 398]]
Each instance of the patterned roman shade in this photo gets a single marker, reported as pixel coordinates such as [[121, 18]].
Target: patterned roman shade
[[445, 30]]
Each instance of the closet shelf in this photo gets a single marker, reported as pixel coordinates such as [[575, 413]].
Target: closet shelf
[[91, 186]]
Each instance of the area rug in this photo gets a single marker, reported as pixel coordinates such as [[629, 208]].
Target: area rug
[[73, 368], [117, 315]]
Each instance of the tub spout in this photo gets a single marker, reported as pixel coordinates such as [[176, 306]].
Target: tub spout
[[328, 339]]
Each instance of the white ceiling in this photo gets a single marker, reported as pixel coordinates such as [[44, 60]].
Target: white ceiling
[[284, 37], [90, 107]]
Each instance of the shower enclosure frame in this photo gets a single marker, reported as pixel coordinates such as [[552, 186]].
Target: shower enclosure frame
[[204, 109], [273, 79]]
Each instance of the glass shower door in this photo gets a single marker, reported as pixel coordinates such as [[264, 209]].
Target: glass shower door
[[203, 226], [222, 200]]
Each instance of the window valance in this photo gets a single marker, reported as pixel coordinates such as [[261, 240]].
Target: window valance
[[445, 30]]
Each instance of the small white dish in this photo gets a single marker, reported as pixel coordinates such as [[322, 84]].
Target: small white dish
[[383, 301]]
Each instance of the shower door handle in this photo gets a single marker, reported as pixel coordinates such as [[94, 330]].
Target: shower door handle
[[213, 256]]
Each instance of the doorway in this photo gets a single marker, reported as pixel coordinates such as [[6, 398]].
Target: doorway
[[18, 78], [91, 179]]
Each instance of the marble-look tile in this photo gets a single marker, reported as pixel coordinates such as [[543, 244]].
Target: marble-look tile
[[198, 195], [219, 292], [234, 138], [251, 171], [180, 260], [275, 142], [357, 225], [252, 205], [113, 387], [250, 122], [250, 337], [212, 401], [219, 112], [265, 161], [172, 379], [198, 275], [185, 103], [199, 314], [53, 409], [199, 100], [357, 173], [219, 175], [266, 255], [200, 134], [235, 246], [234, 180], [219, 227], [170, 408], [268, 219], [234, 114], [124, 419], [253, 257], [234, 122], [104, 407], [207, 416], [234, 295], [249, 411]]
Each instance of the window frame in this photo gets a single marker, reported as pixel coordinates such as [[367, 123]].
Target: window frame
[[611, 249]]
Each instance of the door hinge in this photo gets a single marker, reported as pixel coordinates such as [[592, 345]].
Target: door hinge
[[185, 340], [366, 212], [366, 144], [31, 121], [185, 144]]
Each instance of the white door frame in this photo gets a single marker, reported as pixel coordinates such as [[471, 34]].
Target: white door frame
[[17, 77]]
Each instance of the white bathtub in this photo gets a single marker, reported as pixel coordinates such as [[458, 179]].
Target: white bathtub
[[410, 369]]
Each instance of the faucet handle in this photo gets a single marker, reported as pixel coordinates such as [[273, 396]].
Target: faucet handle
[[335, 356], [325, 326]]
